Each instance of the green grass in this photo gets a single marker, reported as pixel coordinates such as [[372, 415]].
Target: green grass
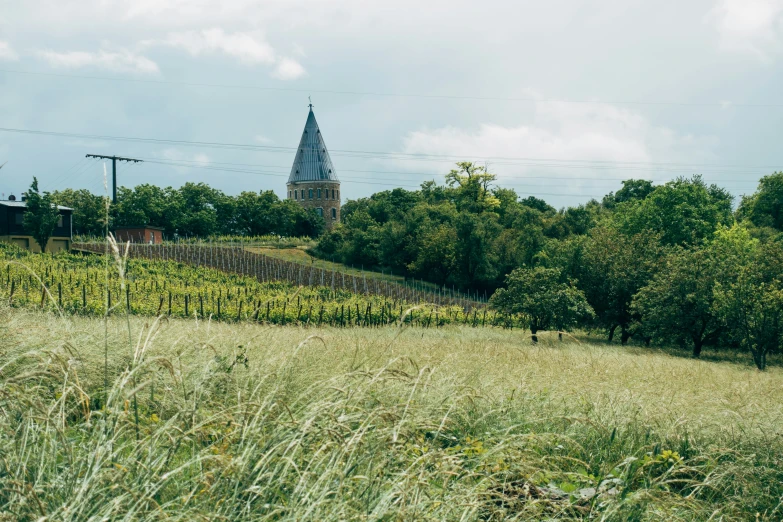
[[209, 421]]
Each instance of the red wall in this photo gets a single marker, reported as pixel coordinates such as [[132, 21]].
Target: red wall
[[139, 235]]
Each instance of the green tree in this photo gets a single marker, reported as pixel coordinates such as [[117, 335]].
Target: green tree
[[147, 205], [89, 210], [40, 216], [473, 184], [683, 212], [542, 298], [611, 268], [765, 207], [749, 292], [678, 304], [633, 189]]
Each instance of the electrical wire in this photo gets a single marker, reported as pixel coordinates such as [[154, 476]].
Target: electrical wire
[[721, 105]]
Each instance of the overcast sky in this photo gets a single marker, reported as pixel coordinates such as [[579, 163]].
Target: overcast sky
[[562, 98]]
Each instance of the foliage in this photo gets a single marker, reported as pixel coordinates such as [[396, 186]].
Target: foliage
[[539, 295], [610, 268], [633, 190], [197, 210], [89, 210], [749, 292], [765, 207], [40, 216], [678, 303], [684, 212]]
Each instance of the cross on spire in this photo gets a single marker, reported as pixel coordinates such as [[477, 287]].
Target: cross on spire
[[311, 103]]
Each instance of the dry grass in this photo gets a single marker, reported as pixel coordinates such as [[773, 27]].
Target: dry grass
[[266, 423]]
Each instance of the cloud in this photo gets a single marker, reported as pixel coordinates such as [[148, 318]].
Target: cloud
[[260, 138], [749, 26], [288, 69], [7, 53], [584, 141], [182, 161], [119, 61], [246, 47]]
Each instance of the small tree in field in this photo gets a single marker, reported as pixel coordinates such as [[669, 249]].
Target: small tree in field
[[678, 303], [41, 215], [539, 295]]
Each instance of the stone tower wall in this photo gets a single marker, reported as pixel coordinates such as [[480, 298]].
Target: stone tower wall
[[309, 199]]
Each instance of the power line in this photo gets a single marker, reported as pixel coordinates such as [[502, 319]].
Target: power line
[[353, 180], [503, 176], [721, 105], [381, 155]]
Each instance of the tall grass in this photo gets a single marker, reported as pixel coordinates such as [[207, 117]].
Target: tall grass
[[245, 422]]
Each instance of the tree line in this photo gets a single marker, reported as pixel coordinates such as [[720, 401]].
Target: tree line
[[192, 210], [673, 263]]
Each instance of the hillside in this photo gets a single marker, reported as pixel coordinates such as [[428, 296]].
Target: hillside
[[241, 421]]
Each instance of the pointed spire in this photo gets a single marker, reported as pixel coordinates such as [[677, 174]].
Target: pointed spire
[[312, 161]]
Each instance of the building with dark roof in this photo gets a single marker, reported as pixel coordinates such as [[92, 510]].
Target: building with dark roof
[[12, 227], [313, 181]]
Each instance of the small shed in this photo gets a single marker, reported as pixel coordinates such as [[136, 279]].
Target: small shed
[[141, 234]]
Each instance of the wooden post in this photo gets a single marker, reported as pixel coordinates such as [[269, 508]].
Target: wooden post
[[84, 298], [60, 294], [169, 302]]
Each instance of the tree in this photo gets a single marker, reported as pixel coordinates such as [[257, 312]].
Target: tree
[[678, 304], [749, 292], [473, 187], [542, 298], [41, 215], [765, 207], [89, 210], [633, 189], [610, 268], [683, 212]]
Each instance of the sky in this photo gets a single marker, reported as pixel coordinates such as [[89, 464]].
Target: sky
[[560, 99]]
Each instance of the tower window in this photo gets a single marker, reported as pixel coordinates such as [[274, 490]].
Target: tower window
[[289, 194], [319, 193], [334, 213], [338, 193], [310, 193], [320, 211]]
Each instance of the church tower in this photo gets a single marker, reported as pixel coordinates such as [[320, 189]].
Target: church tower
[[313, 181]]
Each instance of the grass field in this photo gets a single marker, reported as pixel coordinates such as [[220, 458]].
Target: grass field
[[238, 421]]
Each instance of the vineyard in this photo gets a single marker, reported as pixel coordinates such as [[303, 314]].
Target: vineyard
[[180, 281], [242, 260]]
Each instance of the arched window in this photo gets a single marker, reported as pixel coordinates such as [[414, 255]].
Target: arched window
[[310, 193], [334, 213], [320, 211], [289, 194], [332, 193], [319, 193]]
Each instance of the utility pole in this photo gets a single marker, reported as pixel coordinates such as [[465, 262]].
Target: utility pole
[[114, 160]]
